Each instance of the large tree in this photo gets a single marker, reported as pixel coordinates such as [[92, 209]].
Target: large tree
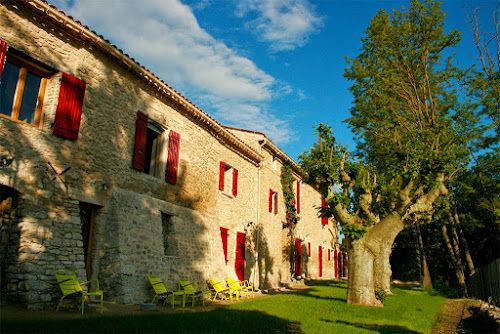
[[412, 133]]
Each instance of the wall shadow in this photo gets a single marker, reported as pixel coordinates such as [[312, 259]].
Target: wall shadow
[[221, 320]]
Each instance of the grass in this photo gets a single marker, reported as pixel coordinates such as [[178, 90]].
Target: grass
[[320, 309]]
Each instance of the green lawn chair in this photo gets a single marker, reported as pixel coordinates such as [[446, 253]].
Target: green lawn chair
[[218, 290], [190, 290], [161, 289], [244, 285], [69, 285]]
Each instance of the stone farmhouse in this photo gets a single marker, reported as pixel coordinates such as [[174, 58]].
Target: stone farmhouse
[[108, 171]]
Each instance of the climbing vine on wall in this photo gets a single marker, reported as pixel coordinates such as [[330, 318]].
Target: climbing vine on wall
[[287, 181]]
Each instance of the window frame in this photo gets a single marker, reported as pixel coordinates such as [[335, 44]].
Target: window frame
[[26, 65]]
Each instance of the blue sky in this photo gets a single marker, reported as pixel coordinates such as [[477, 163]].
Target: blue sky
[[274, 66]]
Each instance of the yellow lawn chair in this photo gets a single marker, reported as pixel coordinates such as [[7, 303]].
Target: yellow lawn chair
[[244, 285], [218, 290], [190, 290], [69, 285], [161, 290], [235, 287]]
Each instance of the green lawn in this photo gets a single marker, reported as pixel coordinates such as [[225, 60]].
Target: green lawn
[[320, 309]]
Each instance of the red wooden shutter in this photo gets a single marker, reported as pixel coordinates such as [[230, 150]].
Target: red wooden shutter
[[320, 258], [222, 172], [141, 130], [309, 249], [69, 107], [298, 196], [173, 157], [271, 200], [275, 203], [324, 220], [223, 234], [3, 50], [329, 254], [235, 182]]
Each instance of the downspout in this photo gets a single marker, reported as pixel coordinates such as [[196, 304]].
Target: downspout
[[261, 143]]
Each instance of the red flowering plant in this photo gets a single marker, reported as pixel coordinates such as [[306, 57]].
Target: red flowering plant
[[287, 181]]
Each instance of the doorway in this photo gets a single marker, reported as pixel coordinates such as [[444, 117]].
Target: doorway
[[239, 263]]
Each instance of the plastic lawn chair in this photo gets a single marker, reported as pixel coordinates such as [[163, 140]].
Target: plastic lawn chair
[[190, 290], [69, 285], [161, 289], [218, 290], [231, 284], [244, 285]]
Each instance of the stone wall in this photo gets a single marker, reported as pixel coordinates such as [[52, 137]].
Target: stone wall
[[130, 206]]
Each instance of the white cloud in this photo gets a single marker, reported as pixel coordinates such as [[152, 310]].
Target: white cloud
[[164, 35], [285, 24]]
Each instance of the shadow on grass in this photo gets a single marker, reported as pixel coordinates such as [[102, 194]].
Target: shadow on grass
[[216, 321], [307, 293], [375, 327], [337, 284]]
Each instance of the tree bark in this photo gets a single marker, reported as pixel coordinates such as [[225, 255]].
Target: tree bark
[[426, 280], [459, 272], [360, 289]]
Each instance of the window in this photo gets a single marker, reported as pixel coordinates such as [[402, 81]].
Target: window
[[152, 158], [167, 232], [23, 81], [22, 88], [148, 148], [228, 179], [273, 201], [309, 249]]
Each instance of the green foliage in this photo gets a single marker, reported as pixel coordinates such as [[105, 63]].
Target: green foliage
[[287, 182], [406, 113]]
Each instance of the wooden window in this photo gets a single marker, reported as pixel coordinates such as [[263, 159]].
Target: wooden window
[[153, 143], [228, 179], [273, 201], [147, 146], [22, 88]]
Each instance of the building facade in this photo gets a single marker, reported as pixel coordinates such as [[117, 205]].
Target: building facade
[[108, 171]]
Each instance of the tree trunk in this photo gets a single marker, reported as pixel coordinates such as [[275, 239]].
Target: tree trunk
[[382, 268], [425, 281], [454, 261], [463, 242], [360, 289], [382, 264]]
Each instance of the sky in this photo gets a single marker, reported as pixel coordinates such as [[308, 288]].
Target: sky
[[272, 66]]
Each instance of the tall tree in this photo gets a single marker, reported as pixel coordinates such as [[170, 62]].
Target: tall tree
[[412, 133]]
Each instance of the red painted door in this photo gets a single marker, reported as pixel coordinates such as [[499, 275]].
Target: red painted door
[[298, 257], [239, 264], [320, 257]]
